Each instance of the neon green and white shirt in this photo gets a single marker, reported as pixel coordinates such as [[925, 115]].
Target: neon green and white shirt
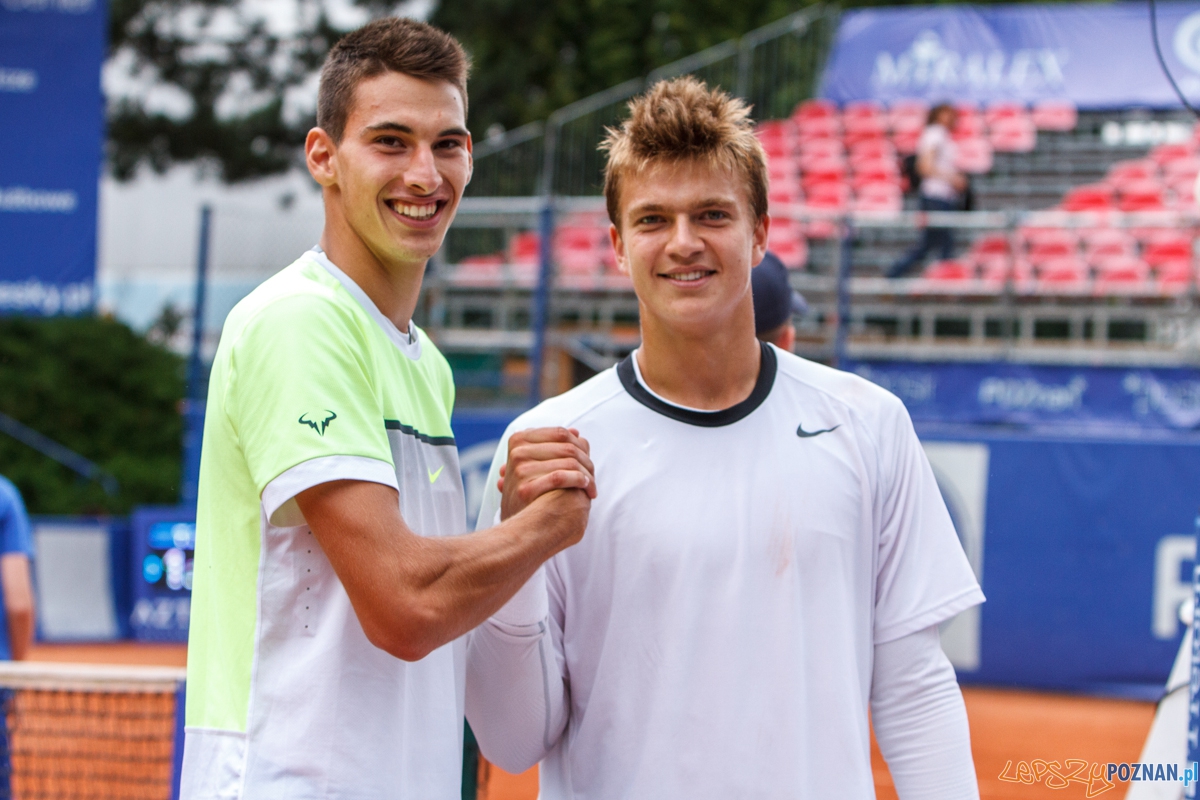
[[286, 697]]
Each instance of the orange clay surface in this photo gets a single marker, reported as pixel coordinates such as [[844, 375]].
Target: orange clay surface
[[1007, 727]]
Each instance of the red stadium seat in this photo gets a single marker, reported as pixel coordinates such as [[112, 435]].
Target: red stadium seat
[[863, 109], [778, 147], [828, 196], [902, 111], [952, 271], [784, 195], [875, 172], [818, 128], [1179, 169], [992, 244], [524, 248], [775, 127], [810, 161], [823, 171], [1003, 109], [1066, 272], [974, 156], [1141, 196], [1183, 194], [1088, 197], [812, 108], [968, 128], [1049, 249], [578, 250], [783, 169], [824, 148], [1163, 154], [1103, 243], [1174, 276], [1124, 268], [1123, 172], [1166, 250], [878, 196], [1013, 135], [873, 149], [1054, 115], [906, 142]]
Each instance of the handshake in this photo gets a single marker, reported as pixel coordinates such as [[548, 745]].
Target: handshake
[[550, 472]]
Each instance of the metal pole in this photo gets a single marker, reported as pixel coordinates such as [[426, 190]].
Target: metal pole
[[843, 295], [541, 300], [193, 419]]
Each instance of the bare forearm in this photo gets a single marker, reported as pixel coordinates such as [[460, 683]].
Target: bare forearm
[[18, 602]]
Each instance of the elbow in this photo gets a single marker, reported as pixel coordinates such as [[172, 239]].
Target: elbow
[[409, 635]]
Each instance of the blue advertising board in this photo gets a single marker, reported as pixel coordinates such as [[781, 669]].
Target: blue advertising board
[[1097, 55], [1142, 401], [51, 134], [164, 541]]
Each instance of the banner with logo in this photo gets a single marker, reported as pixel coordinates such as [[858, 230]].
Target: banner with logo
[[52, 135], [1095, 55], [1086, 399]]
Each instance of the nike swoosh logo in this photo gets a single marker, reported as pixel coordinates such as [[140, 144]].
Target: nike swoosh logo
[[433, 476], [803, 434]]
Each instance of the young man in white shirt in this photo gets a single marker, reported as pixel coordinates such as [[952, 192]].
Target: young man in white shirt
[[942, 186], [769, 556]]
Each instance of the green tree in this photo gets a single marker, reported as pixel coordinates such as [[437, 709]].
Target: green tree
[[532, 58], [97, 387]]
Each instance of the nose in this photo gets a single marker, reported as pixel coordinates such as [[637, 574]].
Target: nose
[[684, 243], [421, 174]]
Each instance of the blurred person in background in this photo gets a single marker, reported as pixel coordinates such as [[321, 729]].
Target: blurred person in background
[[16, 549], [942, 187], [775, 303]]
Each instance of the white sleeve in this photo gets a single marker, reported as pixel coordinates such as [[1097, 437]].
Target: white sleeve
[[516, 696], [920, 721]]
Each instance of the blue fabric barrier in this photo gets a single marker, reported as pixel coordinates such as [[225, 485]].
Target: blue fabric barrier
[[52, 138], [1015, 52]]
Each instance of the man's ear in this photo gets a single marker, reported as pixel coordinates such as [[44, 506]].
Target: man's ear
[[759, 249], [320, 155], [618, 246]]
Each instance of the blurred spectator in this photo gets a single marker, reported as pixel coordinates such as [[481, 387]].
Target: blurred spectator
[[775, 303], [16, 586], [941, 188]]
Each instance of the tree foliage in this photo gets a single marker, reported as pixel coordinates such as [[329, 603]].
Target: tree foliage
[[532, 58], [97, 387]]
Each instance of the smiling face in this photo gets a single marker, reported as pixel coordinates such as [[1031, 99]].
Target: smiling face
[[395, 179], [687, 237]]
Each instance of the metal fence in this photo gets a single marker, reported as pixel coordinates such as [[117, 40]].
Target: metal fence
[[773, 67]]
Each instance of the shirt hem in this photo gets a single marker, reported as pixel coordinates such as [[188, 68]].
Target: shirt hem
[[938, 614], [278, 498]]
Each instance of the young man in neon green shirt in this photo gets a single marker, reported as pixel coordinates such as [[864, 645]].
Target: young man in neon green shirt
[[329, 596]]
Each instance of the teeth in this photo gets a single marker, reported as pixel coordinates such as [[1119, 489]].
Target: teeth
[[689, 276], [416, 212]]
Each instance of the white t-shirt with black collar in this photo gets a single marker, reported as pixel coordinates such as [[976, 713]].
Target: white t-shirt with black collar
[[712, 635]]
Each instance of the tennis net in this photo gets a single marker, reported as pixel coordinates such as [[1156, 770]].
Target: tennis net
[[89, 732]]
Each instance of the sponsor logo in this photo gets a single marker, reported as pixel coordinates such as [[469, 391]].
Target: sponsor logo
[[23, 200], [17, 80], [45, 298], [929, 65], [911, 387], [319, 420], [433, 476], [1176, 401], [61, 6], [1173, 563], [1187, 41], [1027, 394], [803, 434], [1059, 775]]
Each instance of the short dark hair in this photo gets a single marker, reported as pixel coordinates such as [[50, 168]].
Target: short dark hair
[[681, 120], [937, 110], [390, 44]]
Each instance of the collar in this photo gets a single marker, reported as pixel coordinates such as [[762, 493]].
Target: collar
[[408, 342]]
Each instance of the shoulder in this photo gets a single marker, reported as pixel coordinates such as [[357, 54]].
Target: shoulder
[[9, 495], [871, 403], [570, 407], [300, 303]]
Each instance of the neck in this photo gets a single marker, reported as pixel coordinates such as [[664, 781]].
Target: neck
[[393, 286], [710, 370]]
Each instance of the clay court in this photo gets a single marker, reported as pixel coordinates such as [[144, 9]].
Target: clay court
[[1007, 727]]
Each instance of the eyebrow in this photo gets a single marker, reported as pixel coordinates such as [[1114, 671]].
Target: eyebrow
[[708, 202], [396, 126]]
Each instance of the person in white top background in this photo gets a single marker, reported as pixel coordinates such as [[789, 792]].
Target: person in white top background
[[942, 186], [768, 557]]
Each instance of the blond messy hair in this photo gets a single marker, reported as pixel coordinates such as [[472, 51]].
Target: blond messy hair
[[683, 120]]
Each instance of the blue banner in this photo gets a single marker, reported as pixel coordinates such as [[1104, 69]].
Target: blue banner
[[52, 115], [1095, 55], [1086, 399], [1087, 554]]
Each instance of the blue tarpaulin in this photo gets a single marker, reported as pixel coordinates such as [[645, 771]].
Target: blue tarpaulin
[[1096, 55], [52, 133]]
